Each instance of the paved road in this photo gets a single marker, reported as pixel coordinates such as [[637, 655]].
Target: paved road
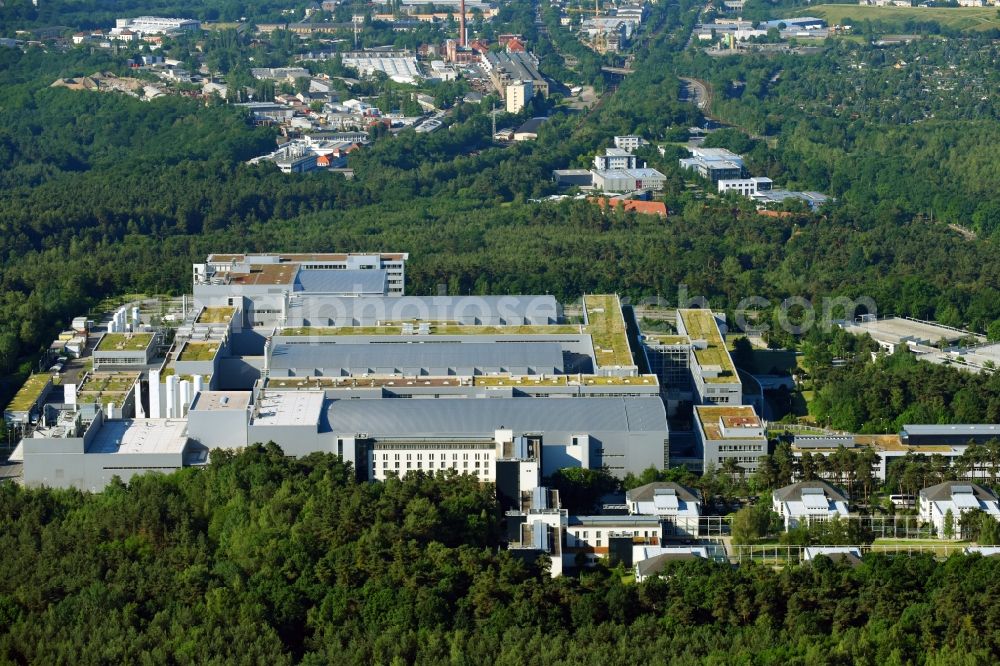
[[698, 92]]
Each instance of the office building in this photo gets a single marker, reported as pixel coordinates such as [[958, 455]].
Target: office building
[[954, 499], [715, 164], [712, 369], [745, 186], [615, 158], [730, 433], [806, 502]]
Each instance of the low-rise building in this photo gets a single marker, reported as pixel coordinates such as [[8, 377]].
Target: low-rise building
[[715, 164], [730, 433], [615, 158], [124, 350], [630, 142], [628, 180], [951, 500], [814, 200], [677, 506], [745, 186], [807, 502], [157, 25], [529, 130], [652, 561]]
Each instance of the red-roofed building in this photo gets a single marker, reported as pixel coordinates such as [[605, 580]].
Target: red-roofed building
[[643, 207], [515, 45]]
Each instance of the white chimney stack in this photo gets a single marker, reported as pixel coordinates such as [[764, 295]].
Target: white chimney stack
[[154, 394]]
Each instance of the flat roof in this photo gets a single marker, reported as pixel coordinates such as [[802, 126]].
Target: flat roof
[[896, 329], [611, 521], [606, 327], [221, 400], [216, 315], [198, 351], [111, 342], [267, 274], [104, 382], [306, 256], [481, 417], [468, 310], [418, 355], [665, 339], [395, 381], [700, 325], [280, 408], [710, 415], [396, 328], [325, 281], [140, 436], [29, 392], [953, 429]]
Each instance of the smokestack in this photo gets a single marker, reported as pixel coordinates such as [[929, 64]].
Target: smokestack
[[154, 394], [461, 24]]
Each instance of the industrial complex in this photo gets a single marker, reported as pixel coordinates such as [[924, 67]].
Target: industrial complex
[[328, 353]]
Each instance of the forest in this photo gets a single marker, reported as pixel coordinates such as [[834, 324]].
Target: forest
[[260, 558], [904, 129]]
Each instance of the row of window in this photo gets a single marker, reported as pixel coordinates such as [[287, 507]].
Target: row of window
[[723, 448], [442, 464], [444, 456]]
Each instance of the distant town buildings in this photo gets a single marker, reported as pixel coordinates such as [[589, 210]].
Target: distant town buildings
[[617, 170], [728, 172], [155, 25], [400, 66], [506, 69]]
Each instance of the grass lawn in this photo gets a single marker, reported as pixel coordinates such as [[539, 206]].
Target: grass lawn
[[961, 18]]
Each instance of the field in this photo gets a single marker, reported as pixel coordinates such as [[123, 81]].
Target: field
[[960, 18]]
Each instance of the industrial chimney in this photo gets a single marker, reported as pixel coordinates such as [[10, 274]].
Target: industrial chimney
[[462, 41]]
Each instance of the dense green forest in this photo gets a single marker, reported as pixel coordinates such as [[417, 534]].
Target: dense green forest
[[906, 129], [263, 559], [884, 394]]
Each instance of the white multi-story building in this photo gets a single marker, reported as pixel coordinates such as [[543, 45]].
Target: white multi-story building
[[745, 186], [630, 142], [958, 498], [730, 432], [677, 506], [615, 159], [518, 95], [712, 369], [808, 502], [156, 25]]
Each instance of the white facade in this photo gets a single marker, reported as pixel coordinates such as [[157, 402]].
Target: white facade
[[387, 458], [958, 498], [615, 159], [156, 25], [808, 502], [629, 142], [518, 95], [745, 186], [725, 433]]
